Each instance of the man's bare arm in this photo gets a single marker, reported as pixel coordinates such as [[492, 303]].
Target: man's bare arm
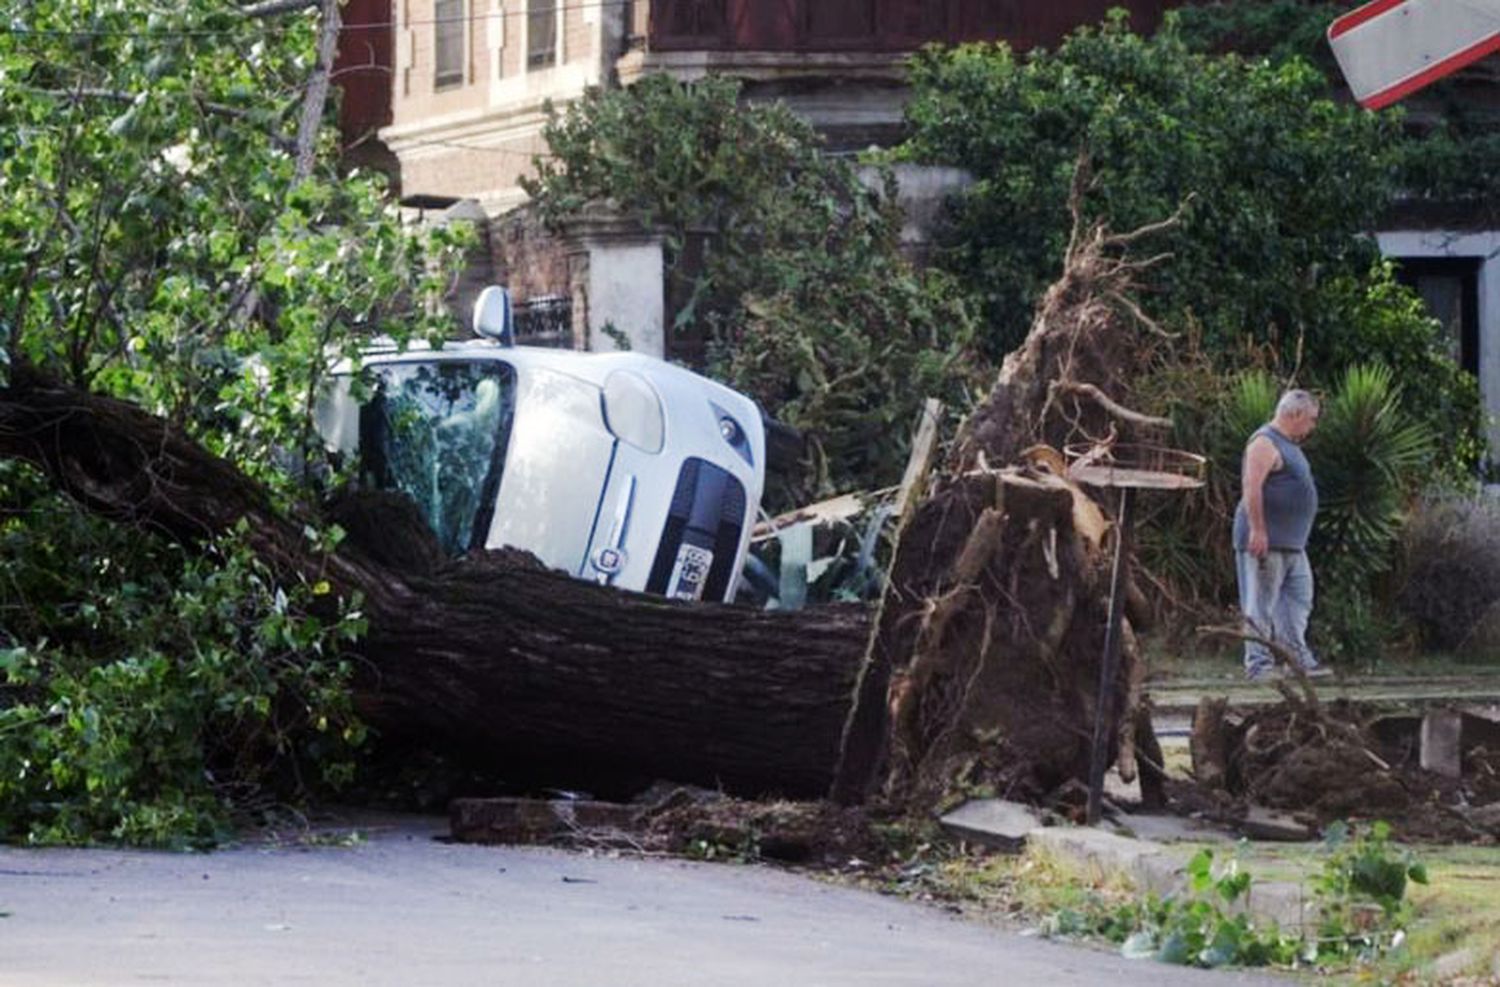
[[1261, 460]]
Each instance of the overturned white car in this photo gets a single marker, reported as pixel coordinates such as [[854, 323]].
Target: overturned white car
[[614, 467]]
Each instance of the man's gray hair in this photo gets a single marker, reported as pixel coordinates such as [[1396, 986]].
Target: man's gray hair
[[1296, 402]]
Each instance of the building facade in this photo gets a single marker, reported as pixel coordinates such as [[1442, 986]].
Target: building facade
[[472, 77]]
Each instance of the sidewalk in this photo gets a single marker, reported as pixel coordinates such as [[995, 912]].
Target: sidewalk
[[1175, 698]]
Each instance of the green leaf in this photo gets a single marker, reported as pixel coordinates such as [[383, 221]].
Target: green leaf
[[11, 660]]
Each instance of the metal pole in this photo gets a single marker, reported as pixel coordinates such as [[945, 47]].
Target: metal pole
[[1104, 705]]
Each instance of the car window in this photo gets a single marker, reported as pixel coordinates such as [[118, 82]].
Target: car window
[[437, 432]]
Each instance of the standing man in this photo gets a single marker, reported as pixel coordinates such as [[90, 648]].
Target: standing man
[[1278, 502]]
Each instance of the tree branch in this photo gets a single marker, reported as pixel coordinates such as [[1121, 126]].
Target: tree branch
[[274, 8], [1110, 405], [317, 91], [1126, 239], [1279, 651]]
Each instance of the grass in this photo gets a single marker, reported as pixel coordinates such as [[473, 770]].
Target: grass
[[1459, 910]]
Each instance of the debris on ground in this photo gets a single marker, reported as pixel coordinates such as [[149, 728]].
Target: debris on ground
[[1434, 778], [679, 820]]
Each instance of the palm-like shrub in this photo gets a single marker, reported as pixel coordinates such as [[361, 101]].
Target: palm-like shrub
[[1250, 404], [1369, 457]]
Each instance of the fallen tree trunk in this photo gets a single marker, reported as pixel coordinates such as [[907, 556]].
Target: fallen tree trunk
[[525, 671], [983, 667]]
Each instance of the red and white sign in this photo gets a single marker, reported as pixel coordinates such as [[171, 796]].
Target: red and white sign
[[1391, 48]]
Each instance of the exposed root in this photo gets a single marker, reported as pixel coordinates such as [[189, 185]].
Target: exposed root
[[993, 630]]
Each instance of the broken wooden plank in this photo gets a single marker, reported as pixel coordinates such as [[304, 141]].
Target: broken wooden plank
[[840, 508], [923, 446], [864, 738], [1261, 823]]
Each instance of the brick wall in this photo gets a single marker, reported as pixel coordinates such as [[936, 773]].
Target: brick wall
[[526, 258]]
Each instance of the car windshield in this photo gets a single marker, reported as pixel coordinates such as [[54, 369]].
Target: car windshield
[[437, 432]]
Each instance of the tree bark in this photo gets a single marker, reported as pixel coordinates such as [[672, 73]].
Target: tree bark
[[523, 671]]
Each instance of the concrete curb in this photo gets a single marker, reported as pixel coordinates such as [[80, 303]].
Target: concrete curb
[[1102, 857]]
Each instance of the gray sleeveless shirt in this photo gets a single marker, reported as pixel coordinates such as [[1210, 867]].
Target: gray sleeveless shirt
[[1289, 499]]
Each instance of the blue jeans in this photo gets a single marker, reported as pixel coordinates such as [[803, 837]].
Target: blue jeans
[[1276, 597]]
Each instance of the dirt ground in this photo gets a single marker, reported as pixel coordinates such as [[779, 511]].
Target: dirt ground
[[1346, 761]]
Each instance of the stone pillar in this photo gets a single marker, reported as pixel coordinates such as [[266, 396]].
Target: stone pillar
[[616, 278]]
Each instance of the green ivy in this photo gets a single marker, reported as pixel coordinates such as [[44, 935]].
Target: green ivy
[[1364, 868]]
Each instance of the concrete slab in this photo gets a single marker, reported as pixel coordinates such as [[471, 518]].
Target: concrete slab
[[1490, 713], [1172, 829], [992, 822], [1122, 792], [1485, 816], [1398, 730], [1450, 966], [1261, 823], [1099, 857], [1442, 750], [1286, 903], [1481, 727]]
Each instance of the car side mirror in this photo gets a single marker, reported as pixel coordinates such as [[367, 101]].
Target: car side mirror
[[493, 318]]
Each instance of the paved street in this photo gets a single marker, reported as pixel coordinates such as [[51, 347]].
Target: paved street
[[403, 908]]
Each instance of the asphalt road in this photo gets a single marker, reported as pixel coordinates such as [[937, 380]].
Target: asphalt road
[[402, 908]]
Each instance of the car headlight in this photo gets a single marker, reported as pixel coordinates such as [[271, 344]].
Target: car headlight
[[632, 411], [732, 432]]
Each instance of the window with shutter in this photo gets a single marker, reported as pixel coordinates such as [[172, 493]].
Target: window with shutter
[[448, 43]]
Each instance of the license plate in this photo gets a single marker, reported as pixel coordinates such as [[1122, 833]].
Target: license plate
[[690, 574]]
